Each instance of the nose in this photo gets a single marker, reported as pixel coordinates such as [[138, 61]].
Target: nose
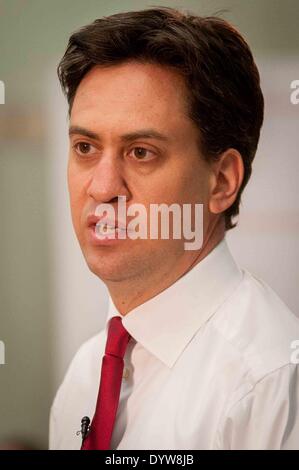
[[107, 181]]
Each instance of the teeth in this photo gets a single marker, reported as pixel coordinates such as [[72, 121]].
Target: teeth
[[105, 229]]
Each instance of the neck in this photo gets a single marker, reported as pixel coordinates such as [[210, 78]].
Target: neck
[[127, 295]]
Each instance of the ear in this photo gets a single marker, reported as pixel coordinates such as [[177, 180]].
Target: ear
[[227, 177]]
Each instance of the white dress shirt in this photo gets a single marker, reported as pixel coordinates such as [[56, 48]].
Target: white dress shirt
[[209, 368]]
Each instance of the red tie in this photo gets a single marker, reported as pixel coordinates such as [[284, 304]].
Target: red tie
[[102, 424]]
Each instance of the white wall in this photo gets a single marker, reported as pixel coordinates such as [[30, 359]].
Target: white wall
[[266, 240]]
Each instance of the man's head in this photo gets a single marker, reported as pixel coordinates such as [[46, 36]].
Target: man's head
[[173, 109]]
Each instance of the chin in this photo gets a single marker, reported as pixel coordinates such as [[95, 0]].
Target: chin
[[109, 266]]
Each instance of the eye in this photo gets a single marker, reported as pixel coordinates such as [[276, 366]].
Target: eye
[[84, 148], [141, 153]]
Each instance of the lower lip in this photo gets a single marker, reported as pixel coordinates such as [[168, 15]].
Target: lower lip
[[108, 240]]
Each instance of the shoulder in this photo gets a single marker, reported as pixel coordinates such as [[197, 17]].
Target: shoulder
[[83, 367], [259, 326], [266, 417], [259, 331], [79, 383]]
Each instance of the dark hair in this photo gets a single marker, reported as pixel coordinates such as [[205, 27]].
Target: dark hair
[[225, 99]]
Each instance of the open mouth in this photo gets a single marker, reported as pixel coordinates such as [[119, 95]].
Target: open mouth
[[103, 229], [106, 229]]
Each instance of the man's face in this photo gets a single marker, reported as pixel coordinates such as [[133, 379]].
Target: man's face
[[145, 147]]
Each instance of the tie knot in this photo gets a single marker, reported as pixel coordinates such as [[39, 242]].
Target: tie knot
[[117, 339]]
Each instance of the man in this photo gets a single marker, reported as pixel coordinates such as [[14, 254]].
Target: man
[[166, 108]]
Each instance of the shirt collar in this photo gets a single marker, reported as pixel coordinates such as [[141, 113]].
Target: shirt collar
[[166, 323]]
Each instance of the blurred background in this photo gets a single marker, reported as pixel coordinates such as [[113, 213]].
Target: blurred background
[[50, 302]]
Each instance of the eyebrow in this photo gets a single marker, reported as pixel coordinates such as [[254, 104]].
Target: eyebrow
[[142, 133]]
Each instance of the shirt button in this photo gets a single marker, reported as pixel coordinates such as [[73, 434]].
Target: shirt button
[[126, 373]]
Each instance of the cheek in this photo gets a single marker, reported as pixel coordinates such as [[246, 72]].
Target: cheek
[[76, 191], [186, 185], [162, 186], [196, 183]]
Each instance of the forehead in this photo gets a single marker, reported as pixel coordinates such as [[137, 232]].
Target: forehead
[[132, 91]]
